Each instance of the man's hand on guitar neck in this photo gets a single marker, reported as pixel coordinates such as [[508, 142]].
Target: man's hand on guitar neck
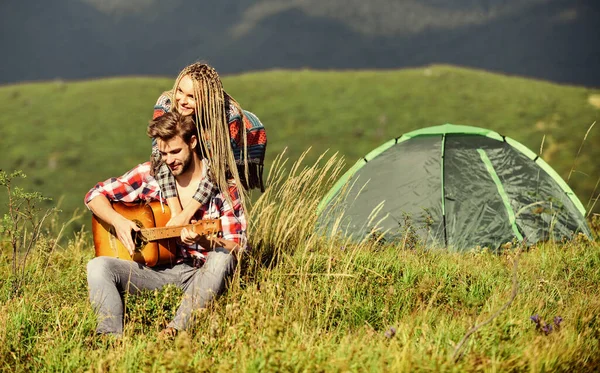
[[189, 237]]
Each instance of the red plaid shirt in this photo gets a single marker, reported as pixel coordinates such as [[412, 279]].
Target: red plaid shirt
[[139, 185]]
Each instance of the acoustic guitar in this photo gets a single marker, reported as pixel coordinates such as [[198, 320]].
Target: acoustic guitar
[[155, 244]]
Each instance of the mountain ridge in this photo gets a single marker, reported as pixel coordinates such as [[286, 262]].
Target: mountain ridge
[[71, 39]]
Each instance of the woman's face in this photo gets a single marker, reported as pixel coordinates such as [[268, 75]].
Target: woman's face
[[184, 96]]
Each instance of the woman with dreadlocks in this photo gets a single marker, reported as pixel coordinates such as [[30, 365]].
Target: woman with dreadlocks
[[223, 127]]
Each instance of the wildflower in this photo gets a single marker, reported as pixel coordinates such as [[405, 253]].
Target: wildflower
[[390, 333], [536, 319], [547, 328], [557, 321], [544, 327]]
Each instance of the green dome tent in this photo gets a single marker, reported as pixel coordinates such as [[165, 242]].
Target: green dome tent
[[453, 186]]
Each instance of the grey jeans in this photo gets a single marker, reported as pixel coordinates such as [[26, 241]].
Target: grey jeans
[[110, 278]]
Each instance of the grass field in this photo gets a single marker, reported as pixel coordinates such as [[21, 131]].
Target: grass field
[[66, 136], [303, 302]]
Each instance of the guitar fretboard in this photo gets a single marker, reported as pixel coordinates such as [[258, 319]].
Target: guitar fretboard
[[204, 227]]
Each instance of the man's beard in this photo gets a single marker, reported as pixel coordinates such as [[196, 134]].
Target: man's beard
[[185, 165]]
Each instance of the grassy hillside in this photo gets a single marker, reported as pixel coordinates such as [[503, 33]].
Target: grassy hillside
[[302, 302], [324, 312], [66, 136]]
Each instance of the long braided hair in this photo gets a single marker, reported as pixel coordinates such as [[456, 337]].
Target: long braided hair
[[212, 103]]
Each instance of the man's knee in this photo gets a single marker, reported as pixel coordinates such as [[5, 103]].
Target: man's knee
[[220, 261], [99, 268]]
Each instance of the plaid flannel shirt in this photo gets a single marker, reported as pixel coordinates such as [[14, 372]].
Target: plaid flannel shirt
[[139, 185]]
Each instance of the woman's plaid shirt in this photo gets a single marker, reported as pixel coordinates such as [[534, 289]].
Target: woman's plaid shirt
[[139, 185]]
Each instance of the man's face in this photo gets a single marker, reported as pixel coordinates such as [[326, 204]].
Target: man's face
[[176, 153], [184, 96]]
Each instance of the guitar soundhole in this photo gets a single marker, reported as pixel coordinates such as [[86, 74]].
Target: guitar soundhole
[[138, 238]]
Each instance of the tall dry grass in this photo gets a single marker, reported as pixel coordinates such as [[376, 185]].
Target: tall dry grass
[[284, 217]]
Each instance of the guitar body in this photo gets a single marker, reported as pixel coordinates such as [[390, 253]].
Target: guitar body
[[145, 215]]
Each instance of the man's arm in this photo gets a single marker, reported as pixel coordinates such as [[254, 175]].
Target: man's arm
[[205, 190], [179, 216], [135, 185], [101, 207]]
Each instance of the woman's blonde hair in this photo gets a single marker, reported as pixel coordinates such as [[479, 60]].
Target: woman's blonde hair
[[212, 124]]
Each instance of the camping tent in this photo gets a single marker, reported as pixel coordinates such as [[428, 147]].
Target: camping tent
[[453, 186]]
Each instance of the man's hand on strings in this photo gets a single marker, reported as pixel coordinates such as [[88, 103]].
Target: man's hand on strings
[[123, 228]]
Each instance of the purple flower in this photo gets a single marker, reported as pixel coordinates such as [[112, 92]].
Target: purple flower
[[557, 321], [536, 319], [544, 327], [390, 333], [547, 328]]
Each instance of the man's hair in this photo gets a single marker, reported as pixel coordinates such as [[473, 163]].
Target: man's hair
[[170, 125]]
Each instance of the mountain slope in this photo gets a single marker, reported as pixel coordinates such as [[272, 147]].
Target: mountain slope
[[67, 136]]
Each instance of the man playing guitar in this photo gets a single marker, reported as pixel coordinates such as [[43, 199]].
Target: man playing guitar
[[203, 264]]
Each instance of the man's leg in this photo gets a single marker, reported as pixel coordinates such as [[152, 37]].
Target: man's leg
[[109, 278], [203, 285]]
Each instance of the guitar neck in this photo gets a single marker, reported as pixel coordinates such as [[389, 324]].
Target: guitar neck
[[203, 227]]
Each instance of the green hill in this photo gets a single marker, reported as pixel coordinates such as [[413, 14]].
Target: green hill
[[66, 136]]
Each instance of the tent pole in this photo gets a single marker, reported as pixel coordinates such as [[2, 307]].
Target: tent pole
[[442, 160]]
